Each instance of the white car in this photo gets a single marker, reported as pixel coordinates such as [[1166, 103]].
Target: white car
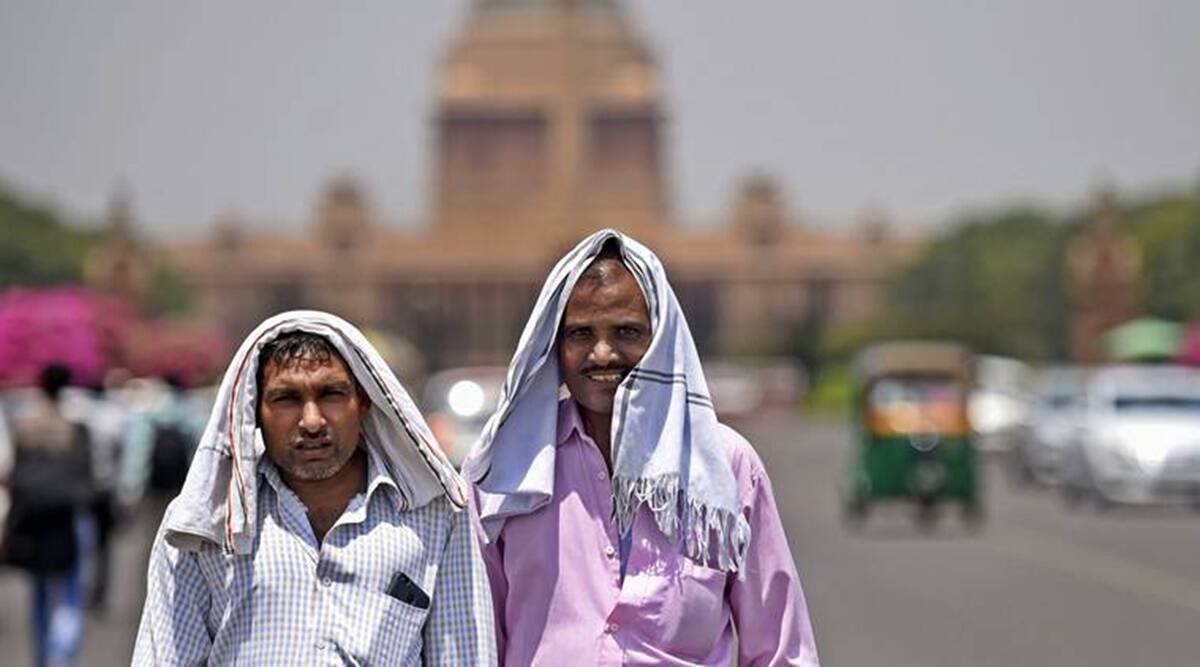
[[1139, 437], [458, 402], [742, 389], [1058, 396], [999, 403]]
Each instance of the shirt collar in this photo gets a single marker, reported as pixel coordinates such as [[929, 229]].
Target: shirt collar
[[377, 476], [569, 420]]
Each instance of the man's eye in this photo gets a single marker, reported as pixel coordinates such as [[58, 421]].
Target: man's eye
[[284, 399], [578, 334], [630, 332]]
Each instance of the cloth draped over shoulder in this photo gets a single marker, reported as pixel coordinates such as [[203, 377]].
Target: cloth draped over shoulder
[[665, 439], [218, 502]]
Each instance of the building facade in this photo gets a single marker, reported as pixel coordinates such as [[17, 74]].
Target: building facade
[[549, 125]]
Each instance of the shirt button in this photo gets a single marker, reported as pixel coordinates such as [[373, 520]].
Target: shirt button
[[612, 627], [320, 646], [601, 476], [609, 551], [327, 582]]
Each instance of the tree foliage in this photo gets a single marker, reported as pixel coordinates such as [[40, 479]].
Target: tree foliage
[[168, 294], [37, 247], [996, 280], [1167, 230]]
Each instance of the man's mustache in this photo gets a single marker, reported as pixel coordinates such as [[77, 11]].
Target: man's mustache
[[303, 440], [623, 370]]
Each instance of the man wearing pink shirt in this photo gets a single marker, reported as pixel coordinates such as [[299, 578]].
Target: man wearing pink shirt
[[623, 524]]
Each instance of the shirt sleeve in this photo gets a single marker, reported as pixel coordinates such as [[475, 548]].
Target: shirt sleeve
[[173, 630], [768, 604], [493, 561], [459, 628]]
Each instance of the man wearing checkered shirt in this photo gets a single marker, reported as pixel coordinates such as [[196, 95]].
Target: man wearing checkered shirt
[[347, 543]]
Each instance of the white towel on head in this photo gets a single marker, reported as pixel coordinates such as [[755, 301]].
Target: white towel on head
[[218, 503], [665, 436]]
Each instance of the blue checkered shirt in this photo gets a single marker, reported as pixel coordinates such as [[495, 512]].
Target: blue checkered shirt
[[297, 601]]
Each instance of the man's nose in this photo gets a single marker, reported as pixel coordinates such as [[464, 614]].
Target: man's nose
[[603, 352], [311, 419]]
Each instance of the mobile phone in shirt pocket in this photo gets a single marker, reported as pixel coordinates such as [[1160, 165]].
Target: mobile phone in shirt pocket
[[407, 591], [379, 628]]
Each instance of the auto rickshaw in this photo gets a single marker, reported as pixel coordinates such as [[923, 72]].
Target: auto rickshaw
[[912, 433]]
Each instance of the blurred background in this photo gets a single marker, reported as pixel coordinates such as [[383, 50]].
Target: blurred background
[[937, 256]]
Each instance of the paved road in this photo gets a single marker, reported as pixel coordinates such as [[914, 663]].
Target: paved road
[[1038, 586], [109, 635]]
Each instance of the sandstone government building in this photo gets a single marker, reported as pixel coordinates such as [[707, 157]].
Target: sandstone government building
[[548, 124]]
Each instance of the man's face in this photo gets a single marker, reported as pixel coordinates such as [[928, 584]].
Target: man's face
[[605, 333], [311, 414]]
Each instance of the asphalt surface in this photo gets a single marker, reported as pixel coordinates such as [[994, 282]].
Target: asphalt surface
[[1038, 585]]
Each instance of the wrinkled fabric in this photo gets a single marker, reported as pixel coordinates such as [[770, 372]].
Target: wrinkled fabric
[[668, 455], [560, 598], [217, 503], [297, 600]]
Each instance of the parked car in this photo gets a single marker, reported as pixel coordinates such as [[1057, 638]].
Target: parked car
[[999, 403], [735, 389], [1138, 440], [1058, 396], [457, 403], [745, 388]]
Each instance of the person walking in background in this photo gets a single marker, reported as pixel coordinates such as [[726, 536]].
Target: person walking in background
[[49, 529], [158, 447], [7, 458], [623, 523], [106, 420], [160, 437], [319, 522]]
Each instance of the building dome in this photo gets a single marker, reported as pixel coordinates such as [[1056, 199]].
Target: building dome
[[548, 122]]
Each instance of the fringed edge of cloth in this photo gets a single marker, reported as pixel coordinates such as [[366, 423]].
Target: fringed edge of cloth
[[662, 496]]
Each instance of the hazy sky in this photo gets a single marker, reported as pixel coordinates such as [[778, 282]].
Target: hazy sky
[[921, 107]]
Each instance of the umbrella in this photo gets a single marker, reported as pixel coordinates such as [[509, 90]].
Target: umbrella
[[1144, 339]]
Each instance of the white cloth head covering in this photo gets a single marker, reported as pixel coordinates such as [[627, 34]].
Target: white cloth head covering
[[218, 503], [665, 435]]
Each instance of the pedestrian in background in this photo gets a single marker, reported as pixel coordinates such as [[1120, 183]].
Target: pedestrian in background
[[158, 446], [7, 458], [320, 523], [159, 441], [624, 523], [49, 529], [106, 420]]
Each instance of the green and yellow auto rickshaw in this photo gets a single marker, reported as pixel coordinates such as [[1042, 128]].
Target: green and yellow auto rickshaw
[[912, 436]]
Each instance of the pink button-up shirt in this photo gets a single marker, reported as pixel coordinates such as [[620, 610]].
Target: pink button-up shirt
[[560, 599]]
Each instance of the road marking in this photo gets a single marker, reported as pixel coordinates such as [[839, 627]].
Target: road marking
[[1087, 563]]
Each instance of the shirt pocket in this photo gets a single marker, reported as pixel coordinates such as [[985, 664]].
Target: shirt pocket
[[695, 611], [381, 630]]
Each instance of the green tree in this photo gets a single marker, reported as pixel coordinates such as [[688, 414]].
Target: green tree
[[1167, 231], [994, 282], [37, 247], [168, 293]]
